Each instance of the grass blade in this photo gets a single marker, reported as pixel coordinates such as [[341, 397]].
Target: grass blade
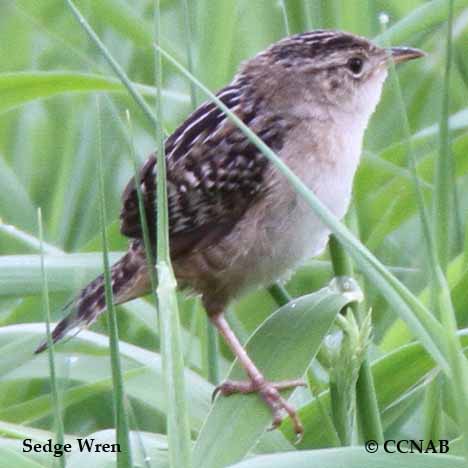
[[215, 38], [212, 343], [438, 249], [113, 63], [188, 45], [18, 342], [169, 323], [162, 216], [17, 89], [27, 239], [20, 275], [413, 366], [150, 258], [458, 362], [443, 178], [424, 18], [124, 456], [351, 457], [431, 246], [279, 293], [431, 253], [50, 347], [173, 369], [284, 14], [368, 414]]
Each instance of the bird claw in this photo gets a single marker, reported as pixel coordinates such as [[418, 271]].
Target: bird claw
[[230, 387], [215, 393], [278, 404], [269, 391]]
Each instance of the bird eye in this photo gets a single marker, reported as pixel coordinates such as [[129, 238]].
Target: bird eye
[[355, 64]]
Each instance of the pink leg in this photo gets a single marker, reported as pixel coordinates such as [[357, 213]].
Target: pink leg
[[269, 391]]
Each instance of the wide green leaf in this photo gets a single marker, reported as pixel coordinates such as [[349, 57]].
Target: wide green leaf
[[89, 365], [351, 457], [148, 450], [397, 193], [9, 457], [282, 347], [410, 363]]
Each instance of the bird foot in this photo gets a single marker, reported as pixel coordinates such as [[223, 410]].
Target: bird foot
[[269, 391]]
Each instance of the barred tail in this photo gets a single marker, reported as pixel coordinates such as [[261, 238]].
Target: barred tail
[[129, 279]]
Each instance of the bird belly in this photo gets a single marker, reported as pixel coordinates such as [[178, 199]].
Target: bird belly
[[280, 231], [289, 232], [285, 235]]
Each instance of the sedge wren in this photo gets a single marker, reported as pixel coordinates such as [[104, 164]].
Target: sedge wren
[[234, 222]]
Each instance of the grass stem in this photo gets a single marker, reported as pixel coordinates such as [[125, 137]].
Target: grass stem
[[188, 44], [178, 429], [124, 456], [444, 185], [150, 259], [118, 70], [368, 414], [284, 13], [59, 428], [279, 294]]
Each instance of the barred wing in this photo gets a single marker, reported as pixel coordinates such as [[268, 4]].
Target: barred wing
[[214, 174]]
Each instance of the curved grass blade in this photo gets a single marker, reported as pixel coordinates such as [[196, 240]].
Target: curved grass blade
[[428, 16], [19, 88]]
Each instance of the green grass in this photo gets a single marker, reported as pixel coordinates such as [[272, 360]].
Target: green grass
[[58, 421], [124, 456], [50, 139]]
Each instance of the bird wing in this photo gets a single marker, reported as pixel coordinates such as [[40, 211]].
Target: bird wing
[[213, 174]]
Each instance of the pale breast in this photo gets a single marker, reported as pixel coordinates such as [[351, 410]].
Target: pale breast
[[283, 231]]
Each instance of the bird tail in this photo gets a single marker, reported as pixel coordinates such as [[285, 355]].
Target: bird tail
[[129, 279]]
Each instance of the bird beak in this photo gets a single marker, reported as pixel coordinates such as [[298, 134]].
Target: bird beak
[[402, 54]]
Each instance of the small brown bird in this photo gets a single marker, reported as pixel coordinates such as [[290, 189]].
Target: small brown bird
[[235, 223]]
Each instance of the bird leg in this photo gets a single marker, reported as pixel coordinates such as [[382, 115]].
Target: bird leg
[[268, 391]]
